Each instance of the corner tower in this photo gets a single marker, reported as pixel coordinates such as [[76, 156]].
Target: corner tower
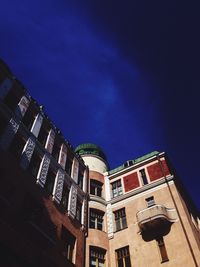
[[97, 245]]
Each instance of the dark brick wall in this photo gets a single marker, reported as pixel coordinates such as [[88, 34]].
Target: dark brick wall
[[34, 238]]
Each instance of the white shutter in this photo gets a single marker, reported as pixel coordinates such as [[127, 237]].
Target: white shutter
[[58, 188]]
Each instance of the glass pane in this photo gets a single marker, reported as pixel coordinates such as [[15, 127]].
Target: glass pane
[[127, 262], [101, 263], [120, 263], [124, 223], [117, 223], [99, 225]]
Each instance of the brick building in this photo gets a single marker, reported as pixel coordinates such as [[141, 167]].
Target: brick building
[[43, 193], [65, 207]]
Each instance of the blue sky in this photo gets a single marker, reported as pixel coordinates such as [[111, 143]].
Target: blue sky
[[125, 77]]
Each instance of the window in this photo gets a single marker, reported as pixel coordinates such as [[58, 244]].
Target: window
[[80, 176], [78, 210], [43, 134], [123, 257], [12, 98], [17, 145], [29, 117], [3, 124], [68, 244], [150, 201], [65, 197], [120, 219], [162, 249], [95, 188], [117, 188], [68, 166], [35, 163], [143, 177], [96, 219], [50, 180], [56, 150], [97, 257]]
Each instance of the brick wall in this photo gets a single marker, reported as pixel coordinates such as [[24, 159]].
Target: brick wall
[[155, 171], [131, 181]]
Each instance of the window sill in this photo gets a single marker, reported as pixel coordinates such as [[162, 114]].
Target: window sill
[[163, 261], [116, 231]]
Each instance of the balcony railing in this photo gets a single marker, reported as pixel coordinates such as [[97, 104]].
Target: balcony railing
[[154, 213]]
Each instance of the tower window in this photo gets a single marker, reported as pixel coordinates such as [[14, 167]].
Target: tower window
[[95, 188], [120, 219], [116, 188], [96, 219], [123, 257], [143, 177], [162, 249], [97, 257]]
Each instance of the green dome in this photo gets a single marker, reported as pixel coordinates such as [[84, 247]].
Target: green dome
[[86, 149]]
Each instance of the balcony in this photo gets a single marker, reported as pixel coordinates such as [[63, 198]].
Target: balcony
[[156, 217]]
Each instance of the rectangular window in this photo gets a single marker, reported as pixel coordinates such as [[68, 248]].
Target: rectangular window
[[123, 257], [162, 249], [97, 257], [56, 150], [143, 177], [68, 166], [3, 124], [43, 134], [12, 98], [50, 180], [117, 188], [78, 210], [96, 219], [95, 188], [80, 176], [29, 117], [65, 197], [35, 163], [17, 145], [150, 201], [120, 219], [68, 244]]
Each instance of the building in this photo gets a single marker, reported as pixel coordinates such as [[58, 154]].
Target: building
[[64, 207], [43, 193], [139, 214]]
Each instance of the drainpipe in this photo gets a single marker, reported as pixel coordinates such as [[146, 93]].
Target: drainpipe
[[175, 205]]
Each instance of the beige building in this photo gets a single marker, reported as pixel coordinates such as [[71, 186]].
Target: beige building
[[139, 214]]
